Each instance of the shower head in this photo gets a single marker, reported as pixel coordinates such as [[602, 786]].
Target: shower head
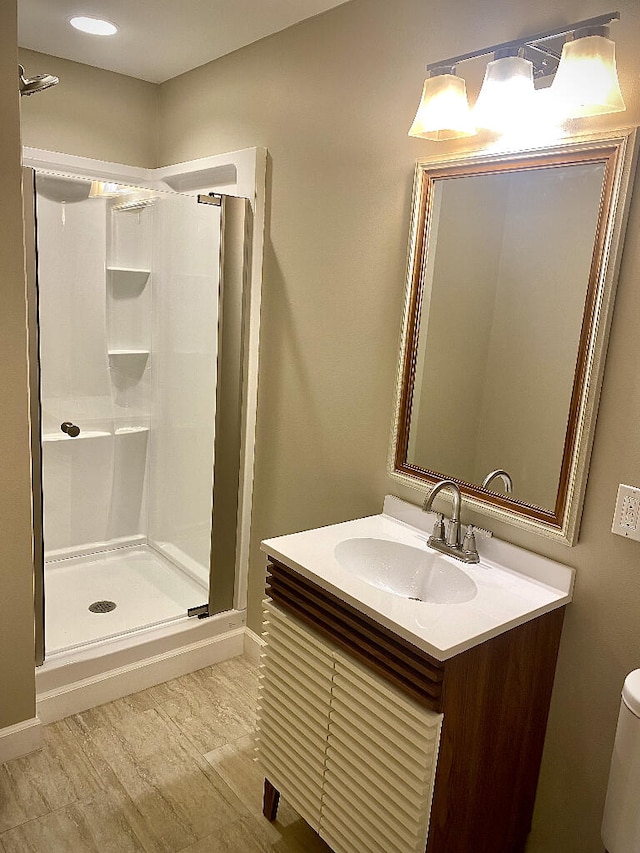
[[31, 85]]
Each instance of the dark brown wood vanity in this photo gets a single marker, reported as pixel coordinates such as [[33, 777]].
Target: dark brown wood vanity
[[494, 701]]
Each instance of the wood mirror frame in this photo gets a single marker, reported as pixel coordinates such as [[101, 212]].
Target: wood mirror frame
[[617, 152]]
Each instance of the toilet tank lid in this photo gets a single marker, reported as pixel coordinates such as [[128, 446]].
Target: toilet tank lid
[[631, 692]]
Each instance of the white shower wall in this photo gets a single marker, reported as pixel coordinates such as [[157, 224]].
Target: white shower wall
[[128, 331], [71, 248], [81, 506]]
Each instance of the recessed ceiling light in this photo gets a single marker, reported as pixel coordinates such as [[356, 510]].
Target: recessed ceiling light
[[94, 26]]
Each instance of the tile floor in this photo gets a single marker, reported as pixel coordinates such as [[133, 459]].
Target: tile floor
[[167, 769]]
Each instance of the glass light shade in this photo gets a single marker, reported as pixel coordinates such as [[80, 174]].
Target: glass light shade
[[506, 96], [586, 82], [444, 109]]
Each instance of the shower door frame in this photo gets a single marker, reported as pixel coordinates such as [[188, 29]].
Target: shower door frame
[[35, 409], [241, 258]]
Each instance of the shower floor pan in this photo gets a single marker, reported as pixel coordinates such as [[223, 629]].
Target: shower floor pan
[[145, 588], [95, 657]]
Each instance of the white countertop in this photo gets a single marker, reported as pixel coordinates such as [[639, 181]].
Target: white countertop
[[513, 585]]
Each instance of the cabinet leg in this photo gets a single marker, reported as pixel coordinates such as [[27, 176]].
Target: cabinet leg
[[270, 801]]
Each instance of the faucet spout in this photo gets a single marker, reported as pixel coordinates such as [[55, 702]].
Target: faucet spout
[[444, 484], [453, 533], [452, 545], [503, 475]]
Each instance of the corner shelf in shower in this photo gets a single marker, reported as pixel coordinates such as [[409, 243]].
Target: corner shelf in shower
[[115, 353], [61, 436], [128, 278], [93, 433]]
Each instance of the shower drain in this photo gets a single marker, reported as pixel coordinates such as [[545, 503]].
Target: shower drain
[[102, 606]]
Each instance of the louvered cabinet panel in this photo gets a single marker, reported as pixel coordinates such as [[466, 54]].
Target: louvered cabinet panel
[[380, 766], [293, 711]]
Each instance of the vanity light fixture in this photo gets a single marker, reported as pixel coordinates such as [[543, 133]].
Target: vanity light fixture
[[93, 26], [507, 91], [444, 111], [585, 83]]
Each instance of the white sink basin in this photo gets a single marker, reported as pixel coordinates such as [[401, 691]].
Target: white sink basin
[[382, 566], [422, 575]]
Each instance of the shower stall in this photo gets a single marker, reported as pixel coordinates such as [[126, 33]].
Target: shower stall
[[141, 364]]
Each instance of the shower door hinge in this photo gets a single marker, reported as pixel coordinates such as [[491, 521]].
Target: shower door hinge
[[212, 198], [202, 611]]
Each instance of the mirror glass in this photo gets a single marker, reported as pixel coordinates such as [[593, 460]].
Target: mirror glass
[[507, 264], [499, 325]]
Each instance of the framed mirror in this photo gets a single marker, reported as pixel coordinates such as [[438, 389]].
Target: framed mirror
[[511, 277]]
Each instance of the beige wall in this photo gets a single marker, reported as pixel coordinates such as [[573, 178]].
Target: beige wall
[[332, 99], [17, 684], [91, 112]]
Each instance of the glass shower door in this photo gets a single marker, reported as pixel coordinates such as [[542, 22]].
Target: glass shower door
[[185, 338]]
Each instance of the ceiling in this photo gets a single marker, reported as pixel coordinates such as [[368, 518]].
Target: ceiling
[[157, 39]]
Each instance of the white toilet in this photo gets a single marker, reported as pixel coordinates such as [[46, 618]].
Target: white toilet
[[621, 822]]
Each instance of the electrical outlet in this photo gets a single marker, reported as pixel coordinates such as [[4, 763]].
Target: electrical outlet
[[626, 518]]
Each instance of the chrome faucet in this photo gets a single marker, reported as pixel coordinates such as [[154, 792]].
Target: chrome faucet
[[504, 476], [450, 543], [453, 530]]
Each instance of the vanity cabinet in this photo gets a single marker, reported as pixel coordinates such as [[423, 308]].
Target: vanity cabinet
[[384, 749]]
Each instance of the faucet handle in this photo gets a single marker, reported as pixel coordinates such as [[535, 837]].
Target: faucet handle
[[469, 543], [481, 531], [438, 528]]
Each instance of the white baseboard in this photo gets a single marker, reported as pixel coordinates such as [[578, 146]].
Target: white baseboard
[[78, 696], [20, 739], [253, 645]]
